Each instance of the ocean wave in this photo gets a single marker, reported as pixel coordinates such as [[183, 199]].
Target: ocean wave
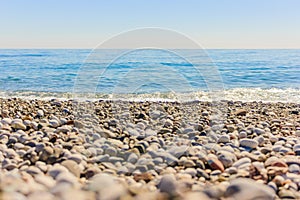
[[236, 94]]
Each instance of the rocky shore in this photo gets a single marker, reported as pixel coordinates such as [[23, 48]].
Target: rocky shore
[[62, 149]]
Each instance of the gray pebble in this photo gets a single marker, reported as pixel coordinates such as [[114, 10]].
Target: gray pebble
[[241, 162], [294, 168], [167, 184], [248, 189], [224, 139], [251, 143]]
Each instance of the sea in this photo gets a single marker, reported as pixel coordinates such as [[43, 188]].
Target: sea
[[271, 75]]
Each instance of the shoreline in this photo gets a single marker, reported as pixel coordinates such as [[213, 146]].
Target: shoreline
[[149, 150], [271, 95]]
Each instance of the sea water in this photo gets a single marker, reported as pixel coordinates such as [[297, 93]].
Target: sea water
[[247, 75]]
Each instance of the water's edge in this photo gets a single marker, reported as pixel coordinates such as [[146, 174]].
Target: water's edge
[[237, 94]]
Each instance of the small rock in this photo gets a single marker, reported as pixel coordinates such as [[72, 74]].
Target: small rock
[[106, 187], [143, 176], [40, 113], [248, 189], [47, 181], [6, 121], [76, 157], [132, 158], [72, 166], [170, 159], [122, 170], [242, 134], [224, 139], [78, 124], [240, 112], [33, 170], [167, 184], [67, 177], [216, 164], [18, 124], [294, 168], [242, 162], [226, 158], [230, 128], [191, 171], [178, 151], [286, 194], [251, 143], [54, 123], [273, 185], [55, 170], [258, 131], [111, 151]]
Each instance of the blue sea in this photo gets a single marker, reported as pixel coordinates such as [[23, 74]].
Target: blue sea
[[247, 75]]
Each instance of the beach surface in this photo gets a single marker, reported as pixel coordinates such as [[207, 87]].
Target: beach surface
[[63, 149]]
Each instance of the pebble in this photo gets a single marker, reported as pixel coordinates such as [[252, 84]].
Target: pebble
[[294, 168], [72, 166], [230, 128], [241, 162], [226, 158], [47, 181], [66, 177], [251, 143], [258, 131], [18, 124], [106, 187], [111, 151], [40, 113], [55, 170], [76, 157], [224, 139], [248, 189], [6, 121], [178, 151], [214, 163], [240, 112], [273, 186], [286, 194], [191, 171], [242, 134], [132, 158], [167, 184], [54, 123]]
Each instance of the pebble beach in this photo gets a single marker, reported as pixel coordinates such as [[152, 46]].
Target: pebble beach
[[53, 149]]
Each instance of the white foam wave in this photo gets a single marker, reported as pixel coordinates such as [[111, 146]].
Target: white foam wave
[[236, 94]]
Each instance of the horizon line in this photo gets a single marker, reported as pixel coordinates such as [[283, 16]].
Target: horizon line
[[68, 48]]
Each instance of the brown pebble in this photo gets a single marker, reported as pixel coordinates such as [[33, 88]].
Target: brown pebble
[[240, 112], [216, 164], [144, 176], [279, 163]]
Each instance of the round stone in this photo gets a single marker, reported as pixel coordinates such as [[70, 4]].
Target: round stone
[[294, 168], [251, 143], [242, 162], [167, 184], [40, 113], [224, 139], [227, 158], [18, 124], [248, 189], [72, 166]]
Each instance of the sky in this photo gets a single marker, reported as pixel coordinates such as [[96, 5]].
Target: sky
[[245, 24]]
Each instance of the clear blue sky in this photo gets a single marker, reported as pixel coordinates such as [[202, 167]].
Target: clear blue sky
[[212, 23]]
